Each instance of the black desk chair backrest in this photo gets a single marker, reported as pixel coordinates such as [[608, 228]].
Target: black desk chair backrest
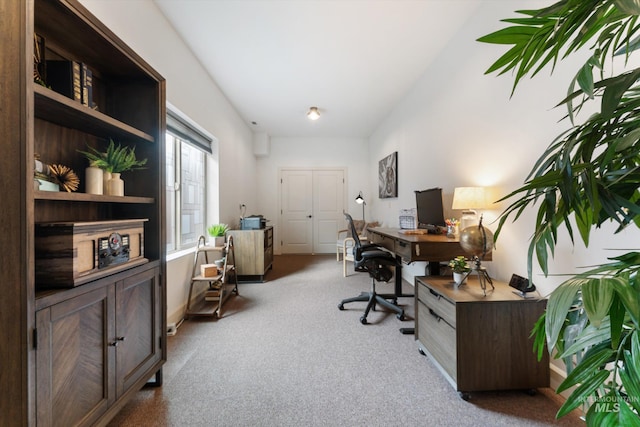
[[378, 263], [357, 244], [370, 257]]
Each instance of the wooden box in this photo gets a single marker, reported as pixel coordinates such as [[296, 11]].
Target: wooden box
[[69, 254], [208, 270]]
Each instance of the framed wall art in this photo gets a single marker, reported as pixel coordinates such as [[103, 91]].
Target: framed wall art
[[388, 176]]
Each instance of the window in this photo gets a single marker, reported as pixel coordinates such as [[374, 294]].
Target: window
[[186, 152]]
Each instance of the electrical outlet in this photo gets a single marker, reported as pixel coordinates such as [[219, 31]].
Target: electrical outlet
[[172, 329]]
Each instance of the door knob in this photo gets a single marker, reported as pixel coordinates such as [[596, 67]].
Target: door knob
[[309, 216]]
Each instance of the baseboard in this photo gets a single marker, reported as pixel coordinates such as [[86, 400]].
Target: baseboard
[[557, 375], [177, 316]]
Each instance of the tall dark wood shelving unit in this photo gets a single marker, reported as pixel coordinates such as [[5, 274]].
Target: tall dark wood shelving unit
[[76, 355]]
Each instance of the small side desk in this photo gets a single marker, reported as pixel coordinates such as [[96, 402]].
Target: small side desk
[[479, 342], [408, 248]]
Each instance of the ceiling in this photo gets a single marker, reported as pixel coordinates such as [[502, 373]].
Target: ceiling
[[353, 59]]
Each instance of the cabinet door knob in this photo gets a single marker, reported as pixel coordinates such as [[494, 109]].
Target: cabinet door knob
[[117, 341]]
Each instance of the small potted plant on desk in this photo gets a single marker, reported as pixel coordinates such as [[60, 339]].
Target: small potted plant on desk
[[218, 231], [460, 269]]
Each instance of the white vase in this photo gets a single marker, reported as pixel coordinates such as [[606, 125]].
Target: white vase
[[459, 278], [218, 241], [115, 186], [106, 176], [93, 180]]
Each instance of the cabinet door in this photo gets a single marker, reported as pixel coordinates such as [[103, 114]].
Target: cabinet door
[[248, 246], [138, 327], [74, 371]]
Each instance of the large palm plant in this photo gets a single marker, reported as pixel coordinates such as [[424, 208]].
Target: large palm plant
[[589, 173]]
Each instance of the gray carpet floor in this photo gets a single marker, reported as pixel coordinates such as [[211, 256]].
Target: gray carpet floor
[[284, 355]]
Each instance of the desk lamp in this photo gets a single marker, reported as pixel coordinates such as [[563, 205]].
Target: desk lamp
[[360, 201], [468, 199]]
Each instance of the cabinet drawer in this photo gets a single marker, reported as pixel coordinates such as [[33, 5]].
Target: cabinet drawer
[[383, 241], [403, 250], [438, 337], [442, 306], [268, 241]]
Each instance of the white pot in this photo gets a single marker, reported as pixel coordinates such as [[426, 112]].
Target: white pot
[[218, 241], [459, 278], [93, 180]]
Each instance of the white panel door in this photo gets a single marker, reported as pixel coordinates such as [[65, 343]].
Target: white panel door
[[328, 205], [296, 207], [311, 208]]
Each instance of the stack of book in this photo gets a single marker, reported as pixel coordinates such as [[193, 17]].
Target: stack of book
[[212, 295], [72, 79]]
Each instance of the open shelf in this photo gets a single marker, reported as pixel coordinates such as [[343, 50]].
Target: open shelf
[[203, 308], [57, 108], [84, 197]]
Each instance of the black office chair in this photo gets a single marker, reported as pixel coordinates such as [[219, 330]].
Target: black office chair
[[377, 262]]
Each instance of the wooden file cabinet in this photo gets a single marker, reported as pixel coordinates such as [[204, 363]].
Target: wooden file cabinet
[[479, 342], [254, 252]]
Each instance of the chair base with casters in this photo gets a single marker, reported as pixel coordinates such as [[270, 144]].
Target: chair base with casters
[[376, 263]]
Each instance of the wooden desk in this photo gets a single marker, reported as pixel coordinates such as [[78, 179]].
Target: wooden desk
[[408, 248]]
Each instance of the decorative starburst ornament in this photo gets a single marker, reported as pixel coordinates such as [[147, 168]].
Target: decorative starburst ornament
[[65, 177]]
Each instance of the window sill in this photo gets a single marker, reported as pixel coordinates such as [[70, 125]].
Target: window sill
[[181, 253]]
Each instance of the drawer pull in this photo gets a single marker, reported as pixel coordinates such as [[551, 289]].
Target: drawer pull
[[402, 244], [435, 294], [433, 313]]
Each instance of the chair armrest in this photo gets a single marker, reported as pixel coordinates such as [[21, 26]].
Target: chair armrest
[[345, 232], [345, 241]]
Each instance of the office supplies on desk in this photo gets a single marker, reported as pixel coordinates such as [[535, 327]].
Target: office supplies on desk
[[413, 231], [408, 219]]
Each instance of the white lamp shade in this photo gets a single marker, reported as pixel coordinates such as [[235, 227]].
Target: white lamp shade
[[469, 198]]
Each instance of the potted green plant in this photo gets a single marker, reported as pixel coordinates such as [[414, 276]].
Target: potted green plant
[[589, 174], [218, 231], [114, 161], [460, 268]]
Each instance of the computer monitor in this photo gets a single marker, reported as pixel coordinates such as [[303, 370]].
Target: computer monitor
[[429, 208]]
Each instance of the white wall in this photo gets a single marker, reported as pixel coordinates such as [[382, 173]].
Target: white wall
[[459, 127], [456, 127], [351, 153], [141, 25]]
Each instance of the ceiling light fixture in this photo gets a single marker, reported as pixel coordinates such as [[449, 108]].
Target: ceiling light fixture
[[313, 113]]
